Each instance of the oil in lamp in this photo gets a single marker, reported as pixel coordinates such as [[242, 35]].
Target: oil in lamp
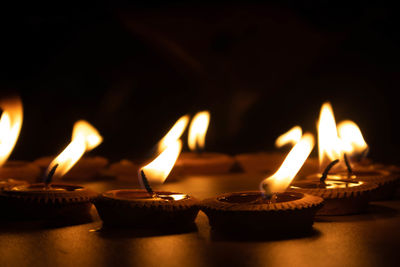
[[148, 208], [87, 168], [344, 191], [56, 201], [272, 210], [127, 170], [197, 161], [10, 127]]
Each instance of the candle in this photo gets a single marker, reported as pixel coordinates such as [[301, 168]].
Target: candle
[[38, 201], [271, 210], [146, 208], [49, 200], [345, 192], [387, 177], [197, 161]]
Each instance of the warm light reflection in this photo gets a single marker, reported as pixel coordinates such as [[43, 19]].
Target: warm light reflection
[[290, 137], [352, 138], [174, 133], [282, 178], [197, 130], [10, 125], [329, 144], [84, 138], [158, 170]]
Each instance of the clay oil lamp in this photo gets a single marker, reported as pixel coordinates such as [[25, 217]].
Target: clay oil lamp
[[127, 170], [198, 161], [10, 127], [88, 167], [268, 162], [356, 149], [55, 201], [343, 193], [148, 208], [272, 210]]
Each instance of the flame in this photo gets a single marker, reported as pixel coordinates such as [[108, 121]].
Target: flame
[[198, 129], [84, 138], [290, 137], [10, 126], [282, 178], [330, 147], [352, 138], [174, 133], [158, 170]]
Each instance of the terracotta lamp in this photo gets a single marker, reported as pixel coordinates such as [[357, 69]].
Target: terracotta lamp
[[272, 210], [55, 201], [345, 191], [148, 208]]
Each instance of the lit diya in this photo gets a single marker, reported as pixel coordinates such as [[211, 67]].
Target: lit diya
[[146, 208], [197, 161], [87, 168], [127, 170], [49, 200], [271, 210], [356, 149], [10, 127], [268, 162], [343, 193]]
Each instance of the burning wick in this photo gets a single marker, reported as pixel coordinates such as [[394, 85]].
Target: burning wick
[[326, 171], [268, 194], [346, 160], [49, 177], [146, 184]]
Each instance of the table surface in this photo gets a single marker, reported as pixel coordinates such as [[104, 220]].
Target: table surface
[[370, 239]]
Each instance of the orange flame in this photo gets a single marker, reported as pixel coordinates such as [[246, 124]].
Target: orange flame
[[158, 170], [290, 137], [198, 129], [282, 178], [352, 138], [84, 138], [10, 126], [174, 133], [330, 147]]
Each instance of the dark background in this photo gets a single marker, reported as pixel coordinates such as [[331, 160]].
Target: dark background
[[132, 69]]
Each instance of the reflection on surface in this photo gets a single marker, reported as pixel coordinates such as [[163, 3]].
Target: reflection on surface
[[362, 240]]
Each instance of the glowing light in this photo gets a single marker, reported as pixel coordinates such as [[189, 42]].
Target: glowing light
[[10, 126], [352, 138], [290, 137], [174, 133], [282, 178], [84, 138], [330, 146], [158, 170], [197, 130]]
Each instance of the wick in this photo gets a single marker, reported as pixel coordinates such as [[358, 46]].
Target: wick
[[49, 177], [346, 160], [267, 194], [326, 171], [147, 185]]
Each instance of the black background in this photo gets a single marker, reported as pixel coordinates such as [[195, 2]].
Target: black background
[[132, 69]]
